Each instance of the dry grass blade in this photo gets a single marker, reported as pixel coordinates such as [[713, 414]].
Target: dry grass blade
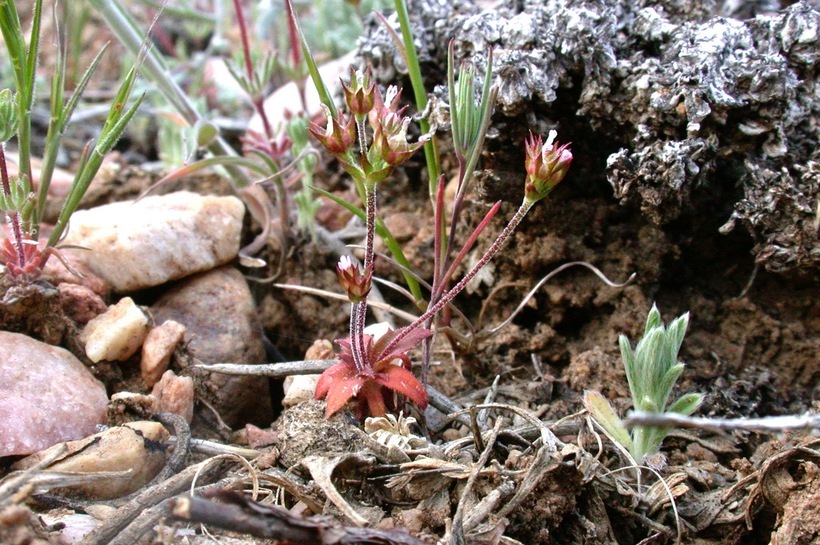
[[127, 514], [235, 512], [296, 489], [321, 469], [272, 370], [340, 297], [547, 278], [669, 494], [14, 482], [46, 480], [545, 459], [458, 529]]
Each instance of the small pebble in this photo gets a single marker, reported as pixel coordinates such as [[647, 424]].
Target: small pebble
[[158, 348], [116, 334], [299, 388], [80, 303], [175, 395]]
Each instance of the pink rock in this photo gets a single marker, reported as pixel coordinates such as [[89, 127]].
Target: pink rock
[[157, 350], [46, 396], [80, 303], [175, 395]]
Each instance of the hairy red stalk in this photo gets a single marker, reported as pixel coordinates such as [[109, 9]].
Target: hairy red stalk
[[450, 295], [14, 218]]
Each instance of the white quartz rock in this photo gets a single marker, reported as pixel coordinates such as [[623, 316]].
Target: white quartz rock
[[48, 396], [135, 245], [116, 334]]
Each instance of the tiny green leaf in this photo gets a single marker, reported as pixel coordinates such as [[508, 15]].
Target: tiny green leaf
[[206, 133], [8, 115], [604, 414], [686, 404]]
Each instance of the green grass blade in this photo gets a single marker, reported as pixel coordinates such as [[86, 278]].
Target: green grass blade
[[61, 115], [391, 243], [430, 148], [33, 50], [90, 167], [52, 146], [321, 88], [18, 55], [451, 91]]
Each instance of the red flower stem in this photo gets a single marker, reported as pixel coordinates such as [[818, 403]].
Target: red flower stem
[[358, 314], [370, 194], [14, 217], [258, 101], [357, 341], [243, 32], [4, 174], [450, 295], [259, 106], [439, 258], [458, 202]]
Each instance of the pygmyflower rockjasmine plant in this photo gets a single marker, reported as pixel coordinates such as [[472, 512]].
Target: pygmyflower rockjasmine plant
[[366, 367], [371, 367]]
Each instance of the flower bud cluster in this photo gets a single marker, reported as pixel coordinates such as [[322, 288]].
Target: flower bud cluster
[[389, 147], [546, 163]]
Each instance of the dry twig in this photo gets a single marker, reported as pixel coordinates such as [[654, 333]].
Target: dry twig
[[235, 512]]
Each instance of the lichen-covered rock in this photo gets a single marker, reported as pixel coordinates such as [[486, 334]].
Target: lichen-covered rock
[[47, 396], [135, 245], [674, 103], [772, 195]]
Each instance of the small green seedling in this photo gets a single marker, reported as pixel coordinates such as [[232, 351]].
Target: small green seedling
[[652, 370]]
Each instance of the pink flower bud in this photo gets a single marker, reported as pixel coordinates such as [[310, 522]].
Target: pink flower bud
[[390, 139], [339, 135], [355, 282], [360, 93], [385, 106], [547, 164]]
